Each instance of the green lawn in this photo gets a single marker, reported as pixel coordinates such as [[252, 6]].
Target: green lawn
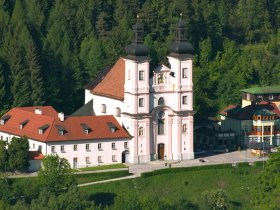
[[105, 167], [171, 187], [86, 178]]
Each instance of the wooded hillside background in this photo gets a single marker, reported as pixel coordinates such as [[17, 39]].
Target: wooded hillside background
[[50, 49]]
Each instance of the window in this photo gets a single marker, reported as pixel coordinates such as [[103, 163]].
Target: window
[[87, 147], [103, 108], [7, 139], [75, 147], [246, 128], [33, 146], [114, 158], [185, 99], [62, 148], [161, 101], [160, 126], [141, 75], [128, 74], [40, 131], [141, 131], [184, 128], [160, 79], [141, 102], [2, 138], [99, 146], [118, 112], [61, 133], [53, 149], [185, 73], [270, 96], [87, 160], [99, 159], [114, 146], [2, 122], [125, 145]]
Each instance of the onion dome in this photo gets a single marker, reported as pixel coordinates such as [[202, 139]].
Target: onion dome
[[180, 46], [137, 48]]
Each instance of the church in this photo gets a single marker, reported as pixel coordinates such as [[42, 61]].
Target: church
[[155, 106], [132, 114]]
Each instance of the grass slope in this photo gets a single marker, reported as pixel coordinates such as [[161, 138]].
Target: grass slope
[[171, 187]]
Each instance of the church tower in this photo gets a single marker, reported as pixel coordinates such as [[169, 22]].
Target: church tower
[[180, 58], [136, 96]]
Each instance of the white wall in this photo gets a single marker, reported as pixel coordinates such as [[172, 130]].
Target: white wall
[[106, 153]]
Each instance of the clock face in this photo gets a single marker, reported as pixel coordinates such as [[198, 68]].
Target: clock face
[[161, 114]]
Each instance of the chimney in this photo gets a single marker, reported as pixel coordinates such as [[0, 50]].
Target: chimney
[[38, 111], [61, 116]]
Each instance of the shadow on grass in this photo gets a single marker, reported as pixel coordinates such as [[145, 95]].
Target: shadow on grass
[[103, 199], [236, 204]]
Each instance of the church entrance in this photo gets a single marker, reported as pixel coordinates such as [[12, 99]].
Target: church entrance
[[161, 151]]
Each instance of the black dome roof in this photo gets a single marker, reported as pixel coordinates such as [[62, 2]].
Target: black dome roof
[[137, 49], [180, 45]]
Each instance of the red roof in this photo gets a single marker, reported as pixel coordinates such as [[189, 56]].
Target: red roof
[[224, 111], [35, 155], [112, 84], [246, 113], [73, 130]]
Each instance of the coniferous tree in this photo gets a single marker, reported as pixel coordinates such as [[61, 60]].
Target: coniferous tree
[[36, 79]]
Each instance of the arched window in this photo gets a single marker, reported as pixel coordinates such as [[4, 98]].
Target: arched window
[[103, 108], [184, 128], [118, 112], [160, 79], [161, 101], [141, 131]]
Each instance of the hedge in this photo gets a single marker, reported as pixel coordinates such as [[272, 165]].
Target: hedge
[[178, 170], [243, 164], [259, 163]]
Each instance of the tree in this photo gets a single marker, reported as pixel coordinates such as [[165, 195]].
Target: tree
[[269, 188], [18, 153], [55, 174], [3, 156], [215, 199]]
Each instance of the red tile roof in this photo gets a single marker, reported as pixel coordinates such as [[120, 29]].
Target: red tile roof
[[35, 155], [224, 111], [98, 125], [246, 113], [112, 84]]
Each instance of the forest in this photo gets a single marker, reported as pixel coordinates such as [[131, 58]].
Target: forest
[[50, 49]]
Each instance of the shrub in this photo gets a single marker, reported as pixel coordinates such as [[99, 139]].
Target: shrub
[[242, 164]]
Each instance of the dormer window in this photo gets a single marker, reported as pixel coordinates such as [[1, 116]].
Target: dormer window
[[112, 127], [270, 96], [61, 130], [43, 128], [161, 101], [4, 119], [85, 128], [22, 124]]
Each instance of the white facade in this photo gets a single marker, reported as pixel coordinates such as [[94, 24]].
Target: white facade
[[166, 98]]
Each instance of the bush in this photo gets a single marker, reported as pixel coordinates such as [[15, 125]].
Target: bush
[[259, 163], [242, 164], [178, 170]]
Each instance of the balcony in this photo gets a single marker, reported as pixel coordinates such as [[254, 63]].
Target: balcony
[[266, 133]]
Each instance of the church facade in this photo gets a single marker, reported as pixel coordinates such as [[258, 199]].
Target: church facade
[[155, 106]]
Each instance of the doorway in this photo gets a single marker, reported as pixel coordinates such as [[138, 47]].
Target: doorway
[[125, 156], [161, 151], [75, 162]]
